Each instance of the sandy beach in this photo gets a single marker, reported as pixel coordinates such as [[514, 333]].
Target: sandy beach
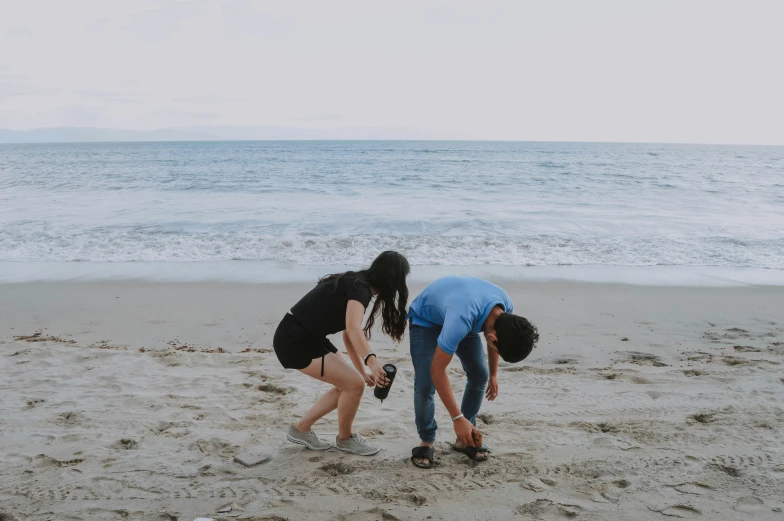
[[130, 400]]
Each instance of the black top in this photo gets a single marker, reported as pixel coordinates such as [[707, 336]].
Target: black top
[[323, 310]]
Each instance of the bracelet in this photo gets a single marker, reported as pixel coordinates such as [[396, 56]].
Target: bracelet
[[368, 356], [457, 417]]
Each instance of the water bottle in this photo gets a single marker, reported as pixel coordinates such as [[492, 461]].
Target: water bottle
[[382, 392]]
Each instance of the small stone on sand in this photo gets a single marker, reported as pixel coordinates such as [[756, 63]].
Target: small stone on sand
[[252, 458]]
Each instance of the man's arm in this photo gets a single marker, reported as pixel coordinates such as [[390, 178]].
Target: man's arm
[[492, 384], [463, 427]]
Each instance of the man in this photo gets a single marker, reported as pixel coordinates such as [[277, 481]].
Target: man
[[446, 320]]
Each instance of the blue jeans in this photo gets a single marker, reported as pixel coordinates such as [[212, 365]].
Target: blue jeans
[[424, 341]]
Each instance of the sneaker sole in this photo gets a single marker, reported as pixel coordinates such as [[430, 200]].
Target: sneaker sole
[[358, 453], [306, 444]]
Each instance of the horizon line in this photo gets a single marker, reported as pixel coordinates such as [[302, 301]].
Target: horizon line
[[399, 140], [205, 137]]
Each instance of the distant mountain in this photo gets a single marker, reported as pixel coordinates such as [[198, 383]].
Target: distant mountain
[[216, 133]]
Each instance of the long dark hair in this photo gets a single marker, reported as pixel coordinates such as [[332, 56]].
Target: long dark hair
[[386, 275]]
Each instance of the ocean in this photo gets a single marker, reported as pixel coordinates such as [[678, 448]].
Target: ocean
[[202, 210]]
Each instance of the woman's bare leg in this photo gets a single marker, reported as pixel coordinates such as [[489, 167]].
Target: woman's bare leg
[[350, 386], [325, 405]]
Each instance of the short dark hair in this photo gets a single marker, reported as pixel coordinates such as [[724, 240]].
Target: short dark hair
[[516, 337]]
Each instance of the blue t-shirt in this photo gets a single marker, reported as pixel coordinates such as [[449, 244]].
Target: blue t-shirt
[[459, 304]]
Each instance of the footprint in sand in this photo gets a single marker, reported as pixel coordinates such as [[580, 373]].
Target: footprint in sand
[[486, 418], [546, 509], [750, 505], [125, 444], [734, 333], [377, 514], [38, 337], [693, 488], [747, 349], [534, 370], [69, 419], [712, 337], [337, 468], [535, 484], [273, 389], [734, 360], [726, 469], [47, 461], [217, 447], [624, 377], [679, 511], [638, 358], [171, 429], [711, 416]]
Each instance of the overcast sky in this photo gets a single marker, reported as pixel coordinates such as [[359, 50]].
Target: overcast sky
[[662, 71]]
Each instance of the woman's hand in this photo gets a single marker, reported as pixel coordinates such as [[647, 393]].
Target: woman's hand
[[379, 375], [465, 432], [369, 380]]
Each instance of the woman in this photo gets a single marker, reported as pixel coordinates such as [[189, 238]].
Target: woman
[[338, 303]]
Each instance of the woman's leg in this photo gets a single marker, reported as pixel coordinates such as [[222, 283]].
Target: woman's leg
[[349, 385], [325, 405]]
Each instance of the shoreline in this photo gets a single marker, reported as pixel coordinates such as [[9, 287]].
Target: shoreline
[[261, 272]]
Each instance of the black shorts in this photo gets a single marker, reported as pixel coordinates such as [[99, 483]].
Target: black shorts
[[295, 347]]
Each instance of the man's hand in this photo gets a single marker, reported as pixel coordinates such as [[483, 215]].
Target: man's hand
[[492, 389], [465, 432]]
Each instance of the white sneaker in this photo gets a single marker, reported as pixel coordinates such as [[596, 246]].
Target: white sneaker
[[356, 444], [308, 439]]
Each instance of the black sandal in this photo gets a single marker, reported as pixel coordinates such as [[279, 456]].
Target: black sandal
[[472, 452], [423, 453]]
